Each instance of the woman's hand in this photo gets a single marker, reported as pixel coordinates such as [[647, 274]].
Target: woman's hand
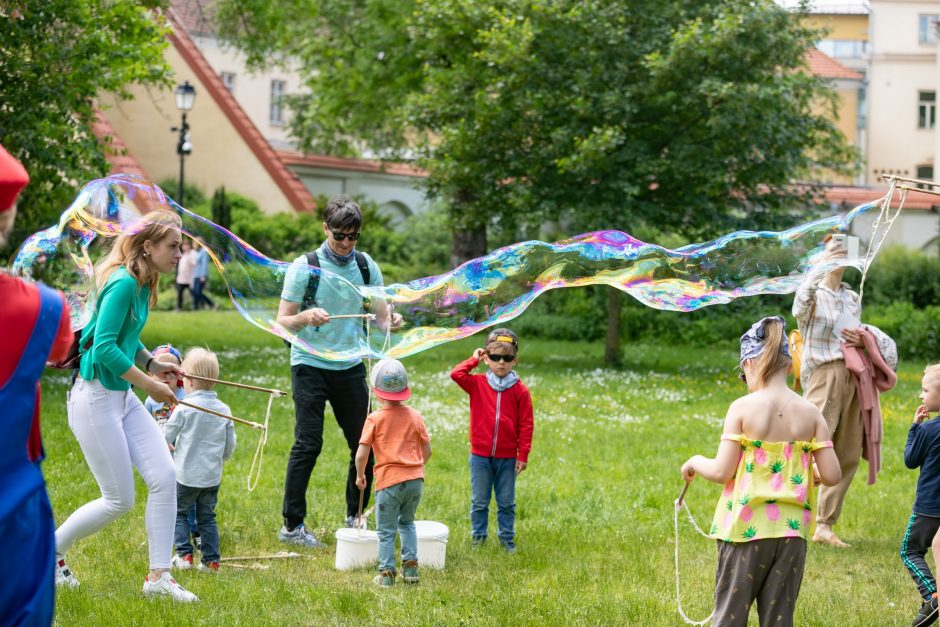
[[166, 372], [160, 392], [852, 337]]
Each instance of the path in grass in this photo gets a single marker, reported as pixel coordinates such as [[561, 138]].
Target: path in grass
[[594, 510]]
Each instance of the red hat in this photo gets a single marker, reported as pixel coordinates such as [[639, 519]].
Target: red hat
[[13, 178]]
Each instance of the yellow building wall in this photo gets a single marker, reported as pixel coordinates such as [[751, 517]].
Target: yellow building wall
[[220, 156], [853, 27]]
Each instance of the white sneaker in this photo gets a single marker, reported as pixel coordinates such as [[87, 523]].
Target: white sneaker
[[64, 576], [167, 586], [181, 563], [300, 537]]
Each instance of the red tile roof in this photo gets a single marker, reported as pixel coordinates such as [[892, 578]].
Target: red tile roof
[[291, 157], [122, 162], [825, 66], [195, 16], [854, 196], [296, 192]]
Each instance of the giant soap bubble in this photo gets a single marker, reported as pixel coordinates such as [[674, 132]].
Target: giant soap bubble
[[479, 294]]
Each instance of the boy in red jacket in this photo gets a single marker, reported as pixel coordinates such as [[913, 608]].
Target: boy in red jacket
[[501, 427]]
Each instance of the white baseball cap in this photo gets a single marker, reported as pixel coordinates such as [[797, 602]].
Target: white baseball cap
[[390, 380]]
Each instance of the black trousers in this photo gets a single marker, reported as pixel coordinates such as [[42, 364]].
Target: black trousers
[[180, 290], [917, 540], [348, 395]]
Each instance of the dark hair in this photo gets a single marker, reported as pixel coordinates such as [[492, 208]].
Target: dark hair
[[498, 336], [341, 213]]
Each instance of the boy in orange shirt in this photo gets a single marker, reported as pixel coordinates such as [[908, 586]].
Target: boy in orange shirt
[[402, 448]]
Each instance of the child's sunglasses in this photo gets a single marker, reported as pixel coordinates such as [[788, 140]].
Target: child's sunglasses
[[352, 237], [506, 358]]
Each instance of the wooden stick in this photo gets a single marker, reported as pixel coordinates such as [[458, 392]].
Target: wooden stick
[[918, 189], [253, 425], [891, 177], [277, 556], [682, 494], [339, 316], [237, 385]]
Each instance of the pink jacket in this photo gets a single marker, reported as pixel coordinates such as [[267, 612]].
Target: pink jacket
[[872, 375]]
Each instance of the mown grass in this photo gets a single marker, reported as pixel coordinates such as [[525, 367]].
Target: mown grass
[[594, 510]]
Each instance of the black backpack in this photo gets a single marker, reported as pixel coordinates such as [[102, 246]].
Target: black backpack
[[310, 293]]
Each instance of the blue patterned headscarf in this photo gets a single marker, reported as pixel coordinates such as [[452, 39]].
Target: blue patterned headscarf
[[752, 342]]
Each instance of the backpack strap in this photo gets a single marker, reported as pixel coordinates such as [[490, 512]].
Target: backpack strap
[[310, 293]]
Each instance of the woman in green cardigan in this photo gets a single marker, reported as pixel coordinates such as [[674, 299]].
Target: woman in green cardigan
[[114, 430]]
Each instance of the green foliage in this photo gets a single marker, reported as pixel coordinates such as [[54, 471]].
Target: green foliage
[[221, 209], [916, 331], [194, 198], [903, 275], [57, 58], [693, 114]]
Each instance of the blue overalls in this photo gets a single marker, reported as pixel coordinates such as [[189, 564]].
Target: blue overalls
[[26, 524]]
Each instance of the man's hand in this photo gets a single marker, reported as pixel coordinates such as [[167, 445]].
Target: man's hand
[[314, 317], [853, 337]]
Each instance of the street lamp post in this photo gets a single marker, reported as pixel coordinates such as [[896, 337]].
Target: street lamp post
[[185, 98]]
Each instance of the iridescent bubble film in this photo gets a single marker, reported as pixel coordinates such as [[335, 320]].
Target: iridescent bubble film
[[479, 294]]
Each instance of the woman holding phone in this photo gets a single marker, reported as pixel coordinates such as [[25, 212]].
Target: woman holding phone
[[828, 313], [112, 427]]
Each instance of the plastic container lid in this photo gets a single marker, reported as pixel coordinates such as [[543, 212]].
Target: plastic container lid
[[356, 535], [431, 530]]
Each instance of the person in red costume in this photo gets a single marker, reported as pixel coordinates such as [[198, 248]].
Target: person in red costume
[[35, 323]]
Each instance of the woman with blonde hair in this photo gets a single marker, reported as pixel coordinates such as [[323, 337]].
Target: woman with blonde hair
[[112, 427]]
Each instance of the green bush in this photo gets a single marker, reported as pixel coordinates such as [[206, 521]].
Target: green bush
[[902, 275], [916, 331]]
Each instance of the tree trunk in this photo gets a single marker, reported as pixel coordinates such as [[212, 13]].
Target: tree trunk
[[467, 243], [612, 341]]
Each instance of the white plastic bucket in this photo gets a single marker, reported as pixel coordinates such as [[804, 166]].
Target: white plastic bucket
[[356, 548], [432, 543]]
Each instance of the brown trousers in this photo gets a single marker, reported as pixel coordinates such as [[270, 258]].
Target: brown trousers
[[769, 571], [832, 389]]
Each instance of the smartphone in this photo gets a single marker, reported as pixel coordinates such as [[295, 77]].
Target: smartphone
[[847, 243]]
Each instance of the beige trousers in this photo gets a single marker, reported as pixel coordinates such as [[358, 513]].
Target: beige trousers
[[832, 389]]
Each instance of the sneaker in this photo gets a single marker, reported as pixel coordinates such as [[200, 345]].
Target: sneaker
[[354, 522], [167, 586], [385, 579], [928, 612], [300, 537], [477, 542], [409, 571], [197, 542], [181, 562], [509, 547], [64, 576], [211, 567]]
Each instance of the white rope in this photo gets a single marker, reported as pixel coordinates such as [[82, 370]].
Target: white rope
[[679, 504], [884, 217], [259, 452]]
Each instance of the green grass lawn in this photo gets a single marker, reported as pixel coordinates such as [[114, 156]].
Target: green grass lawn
[[594, 509]]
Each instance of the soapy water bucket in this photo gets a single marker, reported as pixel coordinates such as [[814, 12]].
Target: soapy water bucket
[[356, 548], [432, 543]]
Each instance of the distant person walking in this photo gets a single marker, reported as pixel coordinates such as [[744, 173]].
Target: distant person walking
[[201, 278]]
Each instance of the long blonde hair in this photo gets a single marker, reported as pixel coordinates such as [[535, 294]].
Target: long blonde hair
[[128, 251], [771, 360]]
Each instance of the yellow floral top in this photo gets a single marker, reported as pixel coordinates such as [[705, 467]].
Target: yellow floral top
[[771, 494]]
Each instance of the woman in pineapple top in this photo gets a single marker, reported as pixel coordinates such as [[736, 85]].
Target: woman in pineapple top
[[765, 459]]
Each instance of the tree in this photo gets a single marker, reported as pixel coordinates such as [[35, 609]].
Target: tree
[[57, 56], [691, 116], [221, 209]]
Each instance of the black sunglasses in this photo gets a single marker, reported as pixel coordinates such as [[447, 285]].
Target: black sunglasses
[[506, 358], [352, 237]]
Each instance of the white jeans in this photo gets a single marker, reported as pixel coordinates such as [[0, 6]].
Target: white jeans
[[117, 434]]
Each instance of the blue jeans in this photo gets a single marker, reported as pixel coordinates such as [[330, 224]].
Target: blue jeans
[[205, 500], [395, 511], [489, 475]]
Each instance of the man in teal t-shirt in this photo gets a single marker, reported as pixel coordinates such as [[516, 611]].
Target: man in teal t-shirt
[[315, 380]]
